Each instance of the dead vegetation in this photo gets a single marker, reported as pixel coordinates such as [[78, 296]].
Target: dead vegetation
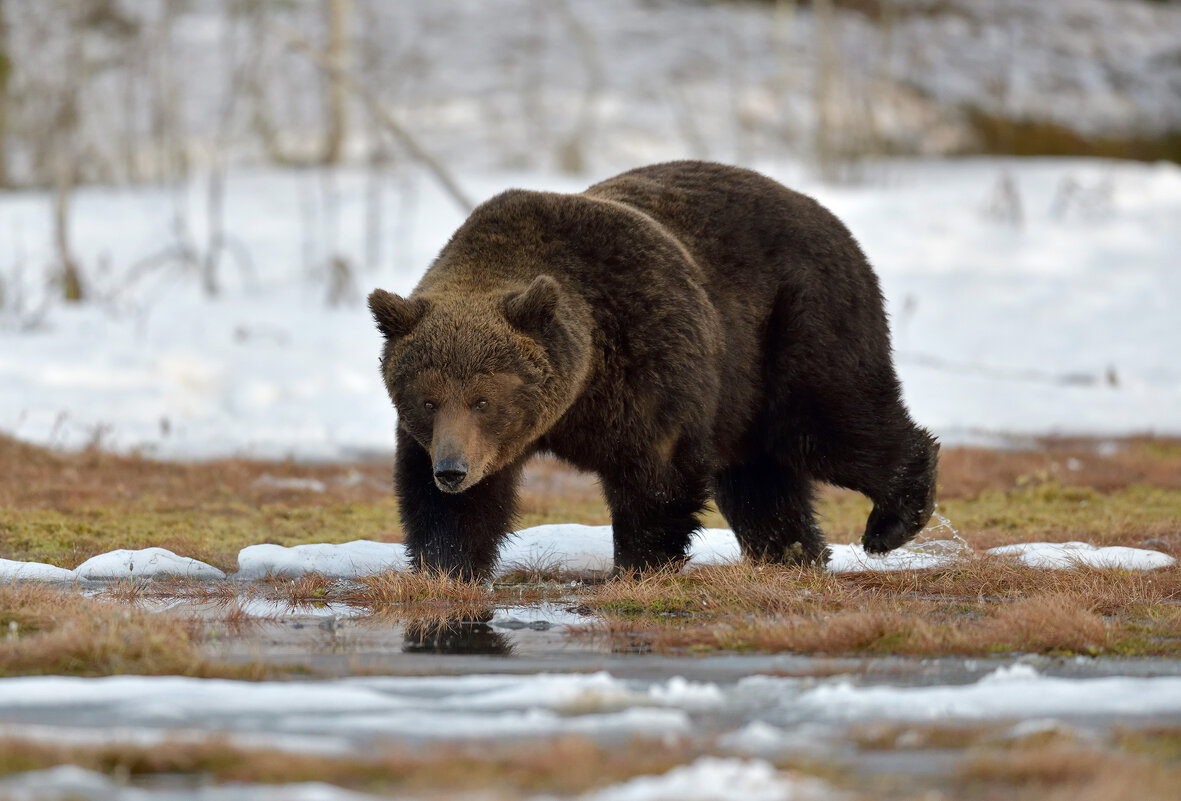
[[1054, 761], [64, 507], [47, 631], [1066, 772], [565, 764], [981, 606], [996, 134]]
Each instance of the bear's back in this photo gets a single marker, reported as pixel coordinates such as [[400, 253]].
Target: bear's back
[[741, 226]]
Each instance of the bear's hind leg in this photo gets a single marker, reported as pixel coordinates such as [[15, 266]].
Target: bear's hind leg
[[771, 513]]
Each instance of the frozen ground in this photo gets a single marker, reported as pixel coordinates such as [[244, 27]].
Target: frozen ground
[[1027, 298], [740, 721]]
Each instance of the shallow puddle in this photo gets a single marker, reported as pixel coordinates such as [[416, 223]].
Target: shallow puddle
[[515, 675]]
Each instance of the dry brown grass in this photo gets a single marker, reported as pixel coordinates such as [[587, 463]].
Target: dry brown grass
[[977, 607], [64, 507], [53, 632], [564, 765], [34, 477], [1062, 772], [1058, 762], [1001, 135], [1102, 465]]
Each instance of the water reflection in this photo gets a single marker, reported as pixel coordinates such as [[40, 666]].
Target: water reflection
[[461, 636]]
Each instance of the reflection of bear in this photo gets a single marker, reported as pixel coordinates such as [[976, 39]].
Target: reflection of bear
[[683, 330], [455, 637]]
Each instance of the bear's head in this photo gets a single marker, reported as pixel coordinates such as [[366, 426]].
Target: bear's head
[[477, 376]]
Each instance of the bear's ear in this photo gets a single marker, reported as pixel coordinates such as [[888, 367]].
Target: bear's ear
[[395, 316], [532, 310]]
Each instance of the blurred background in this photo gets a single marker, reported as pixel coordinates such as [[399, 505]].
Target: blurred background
[[197, 195]]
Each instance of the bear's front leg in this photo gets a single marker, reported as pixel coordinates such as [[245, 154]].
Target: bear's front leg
[[456, 533], [653, 516]]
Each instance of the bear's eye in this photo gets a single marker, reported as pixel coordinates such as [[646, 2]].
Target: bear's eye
[[428, 405], [480, 405]]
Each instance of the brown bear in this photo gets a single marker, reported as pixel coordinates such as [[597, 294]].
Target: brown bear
[[685, 331]]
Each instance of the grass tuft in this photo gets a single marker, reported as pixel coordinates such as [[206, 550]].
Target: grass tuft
[[61, 633]]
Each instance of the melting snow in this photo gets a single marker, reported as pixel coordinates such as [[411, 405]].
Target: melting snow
[[1016, 691], [712, 778], [560, 547], [707, 779], [145, 563], [1082, 554], [764, 713], [11, 570], [414, 708], [75, 784], [356, 558]]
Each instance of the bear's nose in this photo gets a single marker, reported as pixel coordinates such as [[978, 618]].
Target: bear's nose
[[451, 472]]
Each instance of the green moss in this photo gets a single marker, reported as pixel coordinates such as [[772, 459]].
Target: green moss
[[893, 642]]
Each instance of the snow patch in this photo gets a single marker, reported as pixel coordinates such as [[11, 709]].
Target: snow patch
[[350, 559], [713, 778], [358, 709], [558, 547], [1061, 555], [565, 547], [12, 571], [145, 563], [1016, 691], [1018, 672], [75, 784], [757, 738]]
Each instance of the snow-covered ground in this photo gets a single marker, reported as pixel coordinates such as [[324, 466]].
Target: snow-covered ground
[[1027, 297]]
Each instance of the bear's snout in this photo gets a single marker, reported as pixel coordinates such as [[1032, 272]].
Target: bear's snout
[[450, 473]]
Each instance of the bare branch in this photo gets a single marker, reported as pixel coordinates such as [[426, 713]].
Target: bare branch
[[386, 118]]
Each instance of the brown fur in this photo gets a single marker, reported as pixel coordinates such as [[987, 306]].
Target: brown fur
[[681, 330]]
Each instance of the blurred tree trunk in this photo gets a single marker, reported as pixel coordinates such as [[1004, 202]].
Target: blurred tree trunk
[[336, 111], [71, 280], [5, 74], [64, 150]]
